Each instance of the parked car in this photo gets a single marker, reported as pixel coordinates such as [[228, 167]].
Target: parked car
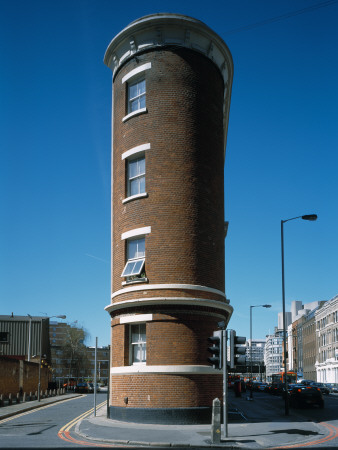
[[86, 388], [276, 388], [334, 388], [305, 382], [92, 387], [267, 388], [82, 388], [302, 396], [324, 389]]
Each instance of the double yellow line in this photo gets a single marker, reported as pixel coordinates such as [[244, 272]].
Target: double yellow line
[[66, 428]]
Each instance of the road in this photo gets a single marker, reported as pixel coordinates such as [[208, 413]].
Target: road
[[54, 426], [40, 428], [327, 418]]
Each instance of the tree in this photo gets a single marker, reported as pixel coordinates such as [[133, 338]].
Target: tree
[[74, 350]]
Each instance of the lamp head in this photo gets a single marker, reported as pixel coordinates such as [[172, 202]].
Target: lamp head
[[266, 306], [311, 217]]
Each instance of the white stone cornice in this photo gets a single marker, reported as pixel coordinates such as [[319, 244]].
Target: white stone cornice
[[160, 301], [184, 370], [148, 287], [169, 29], [166, 29]]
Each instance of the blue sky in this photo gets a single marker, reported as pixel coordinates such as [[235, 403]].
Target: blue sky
[[281, 160]]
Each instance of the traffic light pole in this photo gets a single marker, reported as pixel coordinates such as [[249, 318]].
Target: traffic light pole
[[225, 383]]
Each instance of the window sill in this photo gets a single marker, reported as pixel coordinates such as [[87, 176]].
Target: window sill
[[134, 197], [134, 113], [140, 280]]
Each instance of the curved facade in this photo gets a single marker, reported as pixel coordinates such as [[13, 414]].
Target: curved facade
[[171, 91]]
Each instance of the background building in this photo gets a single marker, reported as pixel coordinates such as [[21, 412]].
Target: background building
[[258, 364], [273, 353], [326, 319], [172, 78], [24, 337]]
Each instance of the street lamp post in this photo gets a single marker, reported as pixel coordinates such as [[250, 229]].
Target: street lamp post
[[29, 337], [40, 357], [310, 217], [253, 306]]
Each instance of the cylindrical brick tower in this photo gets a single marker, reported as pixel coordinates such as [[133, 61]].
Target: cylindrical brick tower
[[172, 79]]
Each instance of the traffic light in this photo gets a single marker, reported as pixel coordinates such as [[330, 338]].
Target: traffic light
[[237, 348], [216, 349]]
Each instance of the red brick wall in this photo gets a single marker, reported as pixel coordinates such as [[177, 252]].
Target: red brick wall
[[185, 209], [184, 169], [175, 338], [165, 391], [10, 376]]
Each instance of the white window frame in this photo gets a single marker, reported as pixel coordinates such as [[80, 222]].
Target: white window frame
[[134, 266], [135, 76], [139, 343], [139, 97], [129, 155], [137, 233], [138, 177]]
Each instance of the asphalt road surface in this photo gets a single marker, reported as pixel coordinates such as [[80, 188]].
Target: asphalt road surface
[[40, 427]]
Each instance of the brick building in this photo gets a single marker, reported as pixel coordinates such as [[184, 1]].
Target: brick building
[[172, 79]]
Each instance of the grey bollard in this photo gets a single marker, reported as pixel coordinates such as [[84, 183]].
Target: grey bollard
[[24, 397], [216, 421]]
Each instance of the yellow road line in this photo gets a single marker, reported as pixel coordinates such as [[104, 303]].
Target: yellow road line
[[73, 422], [7, 419]]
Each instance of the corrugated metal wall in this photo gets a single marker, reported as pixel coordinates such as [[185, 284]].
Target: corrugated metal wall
[[18, 329]]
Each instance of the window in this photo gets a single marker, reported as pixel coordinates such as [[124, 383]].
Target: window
[[136, 95], [4, 336], [136, 176], [138, 347], [135, 257]]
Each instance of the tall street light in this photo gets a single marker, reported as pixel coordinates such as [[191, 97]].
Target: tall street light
[[310, 217], [253, 306], [40, 358], [29, 337]]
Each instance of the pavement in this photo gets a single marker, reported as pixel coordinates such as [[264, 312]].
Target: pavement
[[255, 424]]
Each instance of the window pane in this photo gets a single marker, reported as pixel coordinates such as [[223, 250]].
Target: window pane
[[132, 248], [136, 353], [142, 187], [141, 87], [143, 101], [141, 166], [128, 270], [134, 334], [143, 332], [141, 248], [134, 187], [137, 267], [133, 90], [144, 352], [132, 168], [134, 105]]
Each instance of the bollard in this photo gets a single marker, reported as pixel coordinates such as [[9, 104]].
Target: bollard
[[216, 421], [9, 399], [24, 397], [17, 398], [1, 400]]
